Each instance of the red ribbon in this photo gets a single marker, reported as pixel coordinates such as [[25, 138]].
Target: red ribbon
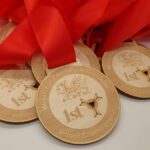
[[52, 26], [142, 33], [43, 27], [128, 24]]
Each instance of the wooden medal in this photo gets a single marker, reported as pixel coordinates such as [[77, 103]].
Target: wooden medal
[[78, 105], [17, 92], [128, 66]]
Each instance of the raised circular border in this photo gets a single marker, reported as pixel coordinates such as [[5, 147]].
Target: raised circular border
[[77, 136], [17, 116]]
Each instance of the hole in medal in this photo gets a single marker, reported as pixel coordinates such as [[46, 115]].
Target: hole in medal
[[36, 85], [91, 104], [145, 72]]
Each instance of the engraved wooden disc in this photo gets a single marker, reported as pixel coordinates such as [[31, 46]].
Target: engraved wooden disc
[[84, 57], [17, 96], [78, 105], [128, 66]]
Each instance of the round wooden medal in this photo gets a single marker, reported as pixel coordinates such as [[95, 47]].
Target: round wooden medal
[[78, 105], [84, 57], [17, 92], [128, 66]]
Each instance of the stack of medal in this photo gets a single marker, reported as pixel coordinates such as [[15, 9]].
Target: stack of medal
[[75, 103]]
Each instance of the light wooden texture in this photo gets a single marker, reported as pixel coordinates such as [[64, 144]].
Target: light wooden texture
[[17, 95], [78, 105], [128, 66]]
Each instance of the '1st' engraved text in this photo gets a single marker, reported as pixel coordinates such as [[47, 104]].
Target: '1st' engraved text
[[21, 99], [74, 115]]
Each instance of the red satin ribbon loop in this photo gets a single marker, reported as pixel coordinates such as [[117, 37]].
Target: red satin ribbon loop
[[53, 25], [52, 34]]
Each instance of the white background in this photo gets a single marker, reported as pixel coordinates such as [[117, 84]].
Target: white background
[[131, 133]]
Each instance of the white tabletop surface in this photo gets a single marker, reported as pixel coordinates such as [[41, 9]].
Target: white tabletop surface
[[131, 133]]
